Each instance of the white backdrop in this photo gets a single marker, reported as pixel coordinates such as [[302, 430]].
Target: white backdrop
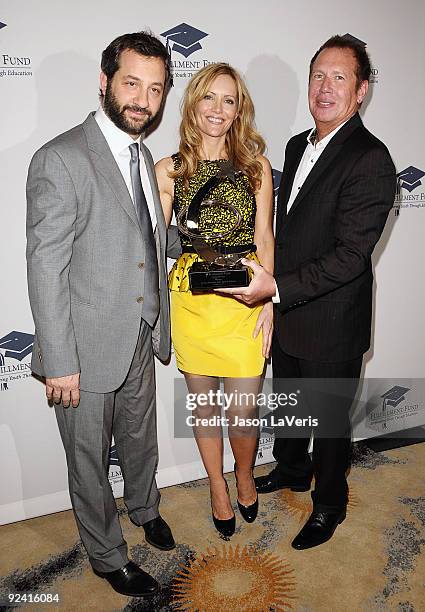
[[49, 64]]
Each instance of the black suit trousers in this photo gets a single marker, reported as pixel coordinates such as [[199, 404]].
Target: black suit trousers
[[332, 439]]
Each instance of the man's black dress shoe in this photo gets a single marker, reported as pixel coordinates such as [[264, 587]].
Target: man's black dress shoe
[[318, 529], [276, 480], [130, 580], [158, 534]]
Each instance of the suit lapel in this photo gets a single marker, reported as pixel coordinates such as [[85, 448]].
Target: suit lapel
[[292, 170], [160, 221], [288, 176], [161, 230], [331, 151], [106, 165], [318, 169]]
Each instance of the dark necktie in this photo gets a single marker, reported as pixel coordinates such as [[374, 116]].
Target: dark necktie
[[150, 308]]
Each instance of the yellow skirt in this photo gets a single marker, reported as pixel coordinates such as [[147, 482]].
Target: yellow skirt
[[212, 333]]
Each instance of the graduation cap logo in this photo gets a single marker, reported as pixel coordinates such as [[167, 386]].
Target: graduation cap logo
[[113, 456], [394, 396], [410, 178], [355, 40], [185, 38], [277, 175], [17, 345]]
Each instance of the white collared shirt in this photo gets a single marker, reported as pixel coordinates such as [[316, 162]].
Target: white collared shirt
[[311, 154], [119, 142]]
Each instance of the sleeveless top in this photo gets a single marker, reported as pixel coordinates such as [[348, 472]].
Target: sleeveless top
[[218, 219]]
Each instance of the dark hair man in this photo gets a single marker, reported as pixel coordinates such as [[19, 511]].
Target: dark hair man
[[99, 297], [337, 188]]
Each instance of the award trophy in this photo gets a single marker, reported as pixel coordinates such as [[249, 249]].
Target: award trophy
[[221, 266]]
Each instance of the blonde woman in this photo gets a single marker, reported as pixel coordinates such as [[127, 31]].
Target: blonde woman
[[216, 336]]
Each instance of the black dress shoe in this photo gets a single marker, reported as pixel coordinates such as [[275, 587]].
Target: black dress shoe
[[158, 534], [224, 526], [276, 480], [318, 529], [248, 513], [130, 580]]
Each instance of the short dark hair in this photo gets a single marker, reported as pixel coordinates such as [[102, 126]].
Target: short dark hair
[[144, 43], [361, 56]]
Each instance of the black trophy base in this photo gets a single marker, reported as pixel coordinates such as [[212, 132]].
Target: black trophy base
[[206, 277]]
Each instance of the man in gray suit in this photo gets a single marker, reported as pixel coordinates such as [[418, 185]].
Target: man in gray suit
[[98, 291]]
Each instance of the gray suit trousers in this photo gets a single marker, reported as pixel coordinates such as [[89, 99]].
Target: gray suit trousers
[[129, 413]]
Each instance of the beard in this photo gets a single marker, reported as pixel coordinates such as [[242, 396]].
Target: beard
[[133, 127]]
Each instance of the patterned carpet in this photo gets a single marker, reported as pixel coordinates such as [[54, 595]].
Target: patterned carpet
[[374, 562]]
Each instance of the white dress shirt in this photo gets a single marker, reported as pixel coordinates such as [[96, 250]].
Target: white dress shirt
[[311, 154], [119, 143]]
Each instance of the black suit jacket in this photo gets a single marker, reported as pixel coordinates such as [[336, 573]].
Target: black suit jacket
[[324, 244]]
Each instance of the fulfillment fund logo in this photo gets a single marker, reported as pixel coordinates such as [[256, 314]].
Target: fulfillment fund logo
[[391, 399], [15, 358], [392, 409], [14, 64], [374, 71], [409, 192], [183, 41], [265, 442], [115, 473]]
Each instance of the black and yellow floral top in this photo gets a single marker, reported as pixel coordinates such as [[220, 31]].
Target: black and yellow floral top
[[218, 219]]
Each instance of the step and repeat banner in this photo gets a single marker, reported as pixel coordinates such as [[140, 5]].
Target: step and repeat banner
[[49, 74]]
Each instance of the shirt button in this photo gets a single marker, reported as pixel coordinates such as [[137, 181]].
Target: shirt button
[[139, 300], [141, 265]]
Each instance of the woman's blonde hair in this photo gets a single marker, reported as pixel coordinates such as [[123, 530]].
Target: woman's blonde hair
[[243, 143]]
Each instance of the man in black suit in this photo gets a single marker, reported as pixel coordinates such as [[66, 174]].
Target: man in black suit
[[337, 188]]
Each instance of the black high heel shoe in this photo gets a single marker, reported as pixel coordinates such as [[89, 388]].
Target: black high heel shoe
[[248, 513], [224, 526]]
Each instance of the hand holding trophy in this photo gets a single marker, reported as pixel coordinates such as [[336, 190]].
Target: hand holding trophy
[[222, 265]]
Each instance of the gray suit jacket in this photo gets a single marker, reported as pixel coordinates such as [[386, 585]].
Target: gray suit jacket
[[84, 250]]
